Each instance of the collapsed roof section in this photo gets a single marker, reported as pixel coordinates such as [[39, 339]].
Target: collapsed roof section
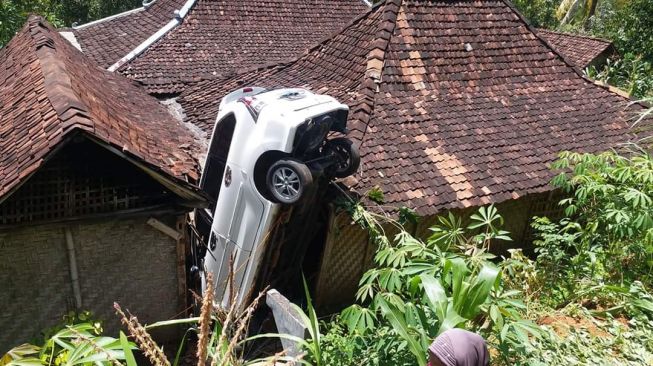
[[51, 92], [581, 51], [455, 103]]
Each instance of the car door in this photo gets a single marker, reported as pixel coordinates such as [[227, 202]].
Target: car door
[[237, 220]]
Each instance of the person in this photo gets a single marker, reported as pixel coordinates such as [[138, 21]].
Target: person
[[458, 347]]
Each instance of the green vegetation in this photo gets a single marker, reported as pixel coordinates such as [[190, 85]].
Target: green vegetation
[[627, 23], [540, 13], [58, 12], [73, 345], [583, 299], [630, 73]]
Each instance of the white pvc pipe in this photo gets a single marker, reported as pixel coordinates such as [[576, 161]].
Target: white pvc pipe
[[179, 15], [74, 273]]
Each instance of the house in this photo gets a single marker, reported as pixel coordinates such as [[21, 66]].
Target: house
[[169, 43], [96, 179], [581, 51], [455, 105]]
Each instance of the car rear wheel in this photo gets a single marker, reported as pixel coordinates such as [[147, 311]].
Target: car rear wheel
[[346, 154], [287, 180]]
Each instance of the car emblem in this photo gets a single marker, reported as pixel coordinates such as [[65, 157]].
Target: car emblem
[[227, 177]]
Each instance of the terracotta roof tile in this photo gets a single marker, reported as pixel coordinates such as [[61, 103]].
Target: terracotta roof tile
[[220, 37], [335, 67], [469, 107], [49, 90], [108, 40], [581, 51]]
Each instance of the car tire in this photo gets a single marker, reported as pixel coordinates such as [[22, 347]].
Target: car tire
[[287, 181], [348, 158]]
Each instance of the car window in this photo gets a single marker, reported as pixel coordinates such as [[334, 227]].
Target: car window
[[217, 158]]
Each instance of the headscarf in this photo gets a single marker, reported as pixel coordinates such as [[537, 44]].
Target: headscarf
[[457, 347]]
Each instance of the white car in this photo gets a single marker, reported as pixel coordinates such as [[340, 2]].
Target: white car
[[266, 150]]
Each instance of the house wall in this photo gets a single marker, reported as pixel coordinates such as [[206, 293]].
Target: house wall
[[121, 259], [348, 252]]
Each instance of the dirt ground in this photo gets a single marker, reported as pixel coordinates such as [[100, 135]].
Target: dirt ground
[[561, 324]]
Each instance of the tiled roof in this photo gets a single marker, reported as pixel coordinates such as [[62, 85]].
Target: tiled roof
[[581, 51], [108, 40], [50, 91], [220, 37], [455, 103], [335, 67]]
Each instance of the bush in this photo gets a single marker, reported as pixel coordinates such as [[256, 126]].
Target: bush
[[419, 289], [610, 212], [381, 348], [78, 344], [591, 276], [627, 23], [540, 13], [629, 73]]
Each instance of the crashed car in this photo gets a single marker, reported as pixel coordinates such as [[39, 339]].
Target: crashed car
[[267, 149]]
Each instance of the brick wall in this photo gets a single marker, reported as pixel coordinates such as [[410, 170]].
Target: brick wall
[[122, 260]]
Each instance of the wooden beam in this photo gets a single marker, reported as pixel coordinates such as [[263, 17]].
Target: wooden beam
[[171, 232], [155, 210], [182, 248]]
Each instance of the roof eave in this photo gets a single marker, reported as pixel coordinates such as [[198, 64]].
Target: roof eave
[[190, 194]]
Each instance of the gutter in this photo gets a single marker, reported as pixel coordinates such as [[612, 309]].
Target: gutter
[[179, 17]]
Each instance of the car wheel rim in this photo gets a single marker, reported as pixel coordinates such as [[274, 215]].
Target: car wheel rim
[[286, 183]]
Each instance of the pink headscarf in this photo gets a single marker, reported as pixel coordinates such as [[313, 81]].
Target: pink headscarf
[[457, 347]]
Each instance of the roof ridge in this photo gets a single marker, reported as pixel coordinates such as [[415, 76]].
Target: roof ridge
[[61, 94], [564, 58], [573, 35], [177, 18], [374, 66], [72, 112], [281, 65], [75, 26]]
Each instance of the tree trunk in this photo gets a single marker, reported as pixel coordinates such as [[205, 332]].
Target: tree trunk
[[571, 12]]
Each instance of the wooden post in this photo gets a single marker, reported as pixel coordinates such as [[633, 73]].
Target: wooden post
[[182, 247]]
